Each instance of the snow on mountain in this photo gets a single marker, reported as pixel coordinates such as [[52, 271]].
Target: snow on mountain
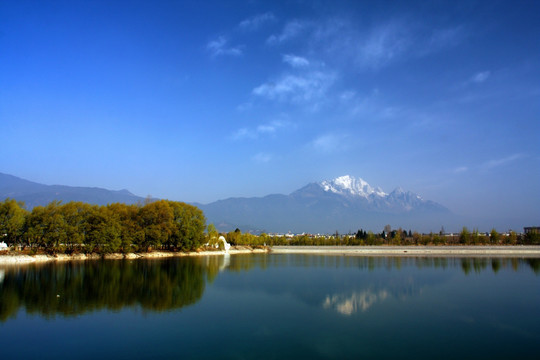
[[356, 188], [343, 203], [348, 185]]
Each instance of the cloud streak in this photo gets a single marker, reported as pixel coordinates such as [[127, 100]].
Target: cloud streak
[[495, 163], [255, 22], [489, 165], [267, 129], [220, 46], [383, 44], [296, 88], [460, 169], [290, 31], [329, 143], [378, 46], [262, 158], [480, 77], [295, 61], [442, 38]]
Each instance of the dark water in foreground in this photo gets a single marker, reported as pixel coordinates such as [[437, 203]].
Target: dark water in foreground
[[273, 306]]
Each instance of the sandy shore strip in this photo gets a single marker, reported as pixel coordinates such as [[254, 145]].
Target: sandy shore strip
[[460, 251], [19, 259], [492, 251]]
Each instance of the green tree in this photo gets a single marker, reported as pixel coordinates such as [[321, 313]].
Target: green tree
[[74, 219], [131, 231], [211, 231], [512, 239], [532, 237], [397, 238], [55, 230], [417, 237], [34, 228], [371, 238], [12, 218], [475, 237], [157, 222], [234, 237], [111, 230], [494, 236], [465, 236], [116, 227], [189, 224]]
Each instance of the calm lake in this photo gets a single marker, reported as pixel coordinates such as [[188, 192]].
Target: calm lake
[[272, 306]]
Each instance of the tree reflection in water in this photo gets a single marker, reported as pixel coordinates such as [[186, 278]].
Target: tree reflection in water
[[74, 288]]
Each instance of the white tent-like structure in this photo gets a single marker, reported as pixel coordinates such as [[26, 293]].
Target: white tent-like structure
[[226, 245]]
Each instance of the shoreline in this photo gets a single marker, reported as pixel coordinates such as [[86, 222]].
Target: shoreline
[[405, 251], [22, 259], [443, 250]]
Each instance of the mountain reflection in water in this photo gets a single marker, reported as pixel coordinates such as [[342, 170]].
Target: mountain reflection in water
[[73, 288], [348, 305]]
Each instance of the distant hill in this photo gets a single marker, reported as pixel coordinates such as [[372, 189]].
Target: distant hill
[[34, 194], [343, 204]]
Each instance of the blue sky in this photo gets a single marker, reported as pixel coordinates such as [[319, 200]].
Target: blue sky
[[200, 101]]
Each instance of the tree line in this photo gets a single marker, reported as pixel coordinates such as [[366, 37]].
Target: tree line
[[397, 237], [115, 228], [170, 225]]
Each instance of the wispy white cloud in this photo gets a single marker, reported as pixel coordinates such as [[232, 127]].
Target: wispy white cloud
[[330, 143], [295, 61], [374, 47], [290, 31], [220, 46], [488, 165], [267, 128], [296, 88], [400, 39], [347, 95], [383, 44], [368, 106], [480, 77], [255, 22], [495, 163], [243, 133], [442, 38], [341, 40], [460, 169], [245, 106], [262, 157], [261, 130]]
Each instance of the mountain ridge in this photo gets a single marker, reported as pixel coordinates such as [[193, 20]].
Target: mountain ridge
[[35, 194], [344, 203]]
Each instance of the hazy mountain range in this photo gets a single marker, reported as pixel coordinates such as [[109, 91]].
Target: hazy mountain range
[[343, 204], [35, 194]]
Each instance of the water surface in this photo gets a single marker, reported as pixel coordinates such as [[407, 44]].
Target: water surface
[[272, 306]]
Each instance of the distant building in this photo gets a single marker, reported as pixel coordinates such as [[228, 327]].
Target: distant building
[[532, 230]]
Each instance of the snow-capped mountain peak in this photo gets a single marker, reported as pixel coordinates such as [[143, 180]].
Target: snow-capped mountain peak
[[399, 192], [349, 185]]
